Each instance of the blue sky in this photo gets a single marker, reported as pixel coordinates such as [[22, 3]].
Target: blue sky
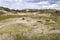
[[31, 4]]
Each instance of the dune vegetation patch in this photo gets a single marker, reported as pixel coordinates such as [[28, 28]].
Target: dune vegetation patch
[[29, 25]]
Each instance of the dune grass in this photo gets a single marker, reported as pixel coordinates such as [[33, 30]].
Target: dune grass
[[15, 28], [8, 16], [18, 30]]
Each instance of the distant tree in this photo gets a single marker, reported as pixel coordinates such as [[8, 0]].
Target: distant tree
[[7, 9], [57, 13]]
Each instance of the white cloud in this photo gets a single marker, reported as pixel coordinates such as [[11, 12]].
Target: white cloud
[[56, 6], [43, 3], [47, 5], [22, 4]]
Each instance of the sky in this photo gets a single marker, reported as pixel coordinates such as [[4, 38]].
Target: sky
[[31, 4]]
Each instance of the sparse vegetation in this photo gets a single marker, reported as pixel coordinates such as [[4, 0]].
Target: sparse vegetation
[[30, 27], [1, 13]]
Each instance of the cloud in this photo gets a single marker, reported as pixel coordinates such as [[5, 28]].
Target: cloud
[[33, 1], [56, 6], [43, 3], [31, 4]]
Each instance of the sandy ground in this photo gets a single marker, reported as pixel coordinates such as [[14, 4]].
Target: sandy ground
[[38, 27]]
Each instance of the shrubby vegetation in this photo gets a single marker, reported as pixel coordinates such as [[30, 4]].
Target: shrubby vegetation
[[1, 13]]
